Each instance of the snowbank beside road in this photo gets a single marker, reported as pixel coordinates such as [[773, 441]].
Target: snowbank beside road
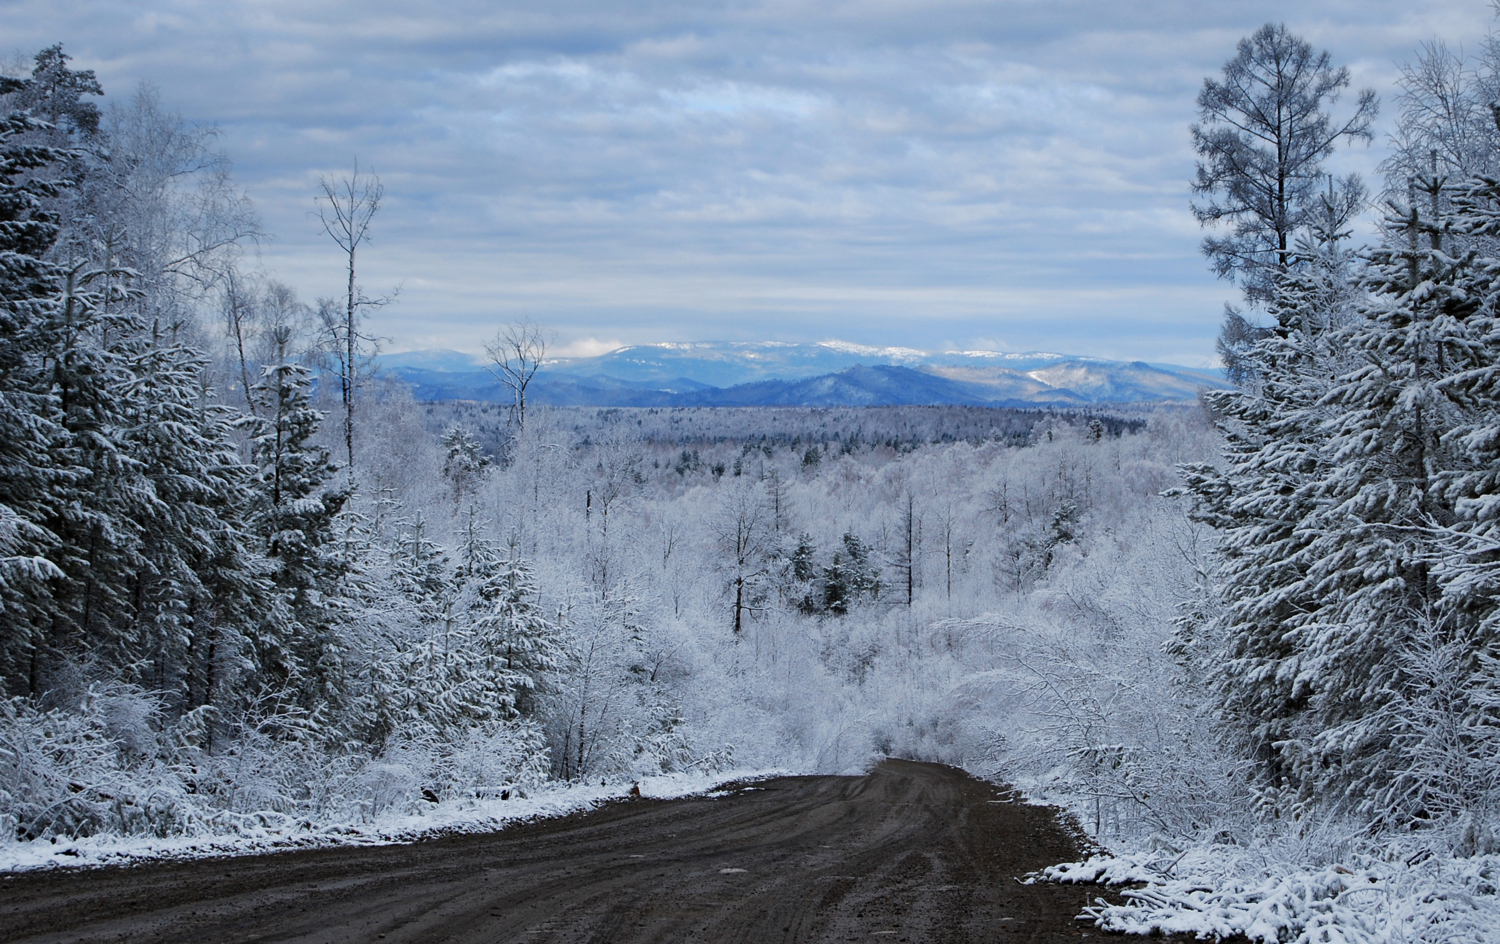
[[1217, 892], [255, 833]]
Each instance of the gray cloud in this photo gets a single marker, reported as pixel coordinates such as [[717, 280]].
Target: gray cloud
[[916, 173]]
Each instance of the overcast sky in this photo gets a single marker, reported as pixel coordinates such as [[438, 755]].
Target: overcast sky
[[941, 174]]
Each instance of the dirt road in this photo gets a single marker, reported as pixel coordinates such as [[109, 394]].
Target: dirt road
[[910, 853]]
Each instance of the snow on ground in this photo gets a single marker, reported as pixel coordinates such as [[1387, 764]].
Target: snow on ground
[[1216, 892], [1326, 887], [276, 832]]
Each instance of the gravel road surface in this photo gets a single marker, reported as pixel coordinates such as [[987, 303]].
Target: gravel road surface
[[908, 853]]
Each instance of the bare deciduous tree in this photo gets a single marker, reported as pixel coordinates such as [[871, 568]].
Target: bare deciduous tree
[[240, 315], [279, 309], [165, 206], [515, 355], [745, 538], [346, 208]]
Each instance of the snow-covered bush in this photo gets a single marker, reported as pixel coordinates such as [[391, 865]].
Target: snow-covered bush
[[112, 765], [1275, 895], [94, 766]]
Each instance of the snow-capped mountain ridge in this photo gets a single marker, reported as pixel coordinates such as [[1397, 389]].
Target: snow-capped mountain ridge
[[823, 373]]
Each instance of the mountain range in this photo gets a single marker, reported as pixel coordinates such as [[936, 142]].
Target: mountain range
[[826, 373]]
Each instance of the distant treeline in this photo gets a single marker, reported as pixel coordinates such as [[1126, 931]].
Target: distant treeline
[[900, 428]]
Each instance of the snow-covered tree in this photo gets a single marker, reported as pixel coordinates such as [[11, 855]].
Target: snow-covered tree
[[420, 573], [30, 484], [200, 587], [850, 575], [1444, 112], [744, 536], [516, 633], [1390, 449], [465, 463], [294, 514], [1265, 496], [1351, 479]]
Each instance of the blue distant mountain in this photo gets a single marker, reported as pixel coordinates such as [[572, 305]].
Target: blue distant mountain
[[829, 373]]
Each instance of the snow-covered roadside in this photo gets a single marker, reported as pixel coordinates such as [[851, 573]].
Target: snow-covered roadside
[[1220, 891], [275, 832], [1326, 886]]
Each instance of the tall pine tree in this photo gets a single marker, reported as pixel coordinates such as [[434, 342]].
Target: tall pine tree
[[29, 481], [293, 515]]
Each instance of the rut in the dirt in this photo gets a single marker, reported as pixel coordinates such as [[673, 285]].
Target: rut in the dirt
[[908, 853]]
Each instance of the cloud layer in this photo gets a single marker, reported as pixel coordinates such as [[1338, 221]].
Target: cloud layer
[[891, 172]]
